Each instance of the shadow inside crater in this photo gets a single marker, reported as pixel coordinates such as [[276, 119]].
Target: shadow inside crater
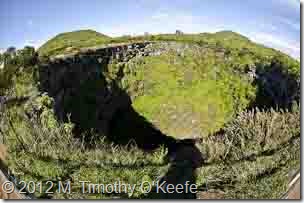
[[97, 105]]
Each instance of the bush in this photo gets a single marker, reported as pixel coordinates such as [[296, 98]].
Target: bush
[[17, 65]]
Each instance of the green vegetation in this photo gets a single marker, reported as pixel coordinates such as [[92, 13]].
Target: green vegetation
[[16, 64], [191, 95], [42, 149], [72, 41], [205, 84], [253, 155]]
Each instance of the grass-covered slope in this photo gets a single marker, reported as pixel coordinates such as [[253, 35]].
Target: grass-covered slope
[[72, 41], [189, 93], [231, 41], [192, 90]]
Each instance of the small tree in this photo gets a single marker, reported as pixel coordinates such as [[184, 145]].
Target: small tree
[[11, 51], [1, 59], [178, 32], [27, 56]]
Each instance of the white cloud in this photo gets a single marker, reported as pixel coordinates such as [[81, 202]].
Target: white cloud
[[273, 27], [29, 22], [285, 45], [265, 26], [172, 17], [33, 43], [293, 4], [293, 25], [160, 16], [166, 21], [160, 22]]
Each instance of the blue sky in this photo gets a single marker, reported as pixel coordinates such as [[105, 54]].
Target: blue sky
[[275, 23]]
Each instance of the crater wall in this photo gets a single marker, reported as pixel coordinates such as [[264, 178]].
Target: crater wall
[[78, 85]]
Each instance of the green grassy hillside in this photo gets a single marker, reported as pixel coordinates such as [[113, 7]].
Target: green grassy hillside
[[229, 40], [71, 41]]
